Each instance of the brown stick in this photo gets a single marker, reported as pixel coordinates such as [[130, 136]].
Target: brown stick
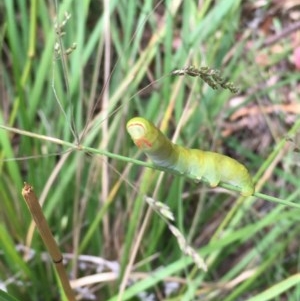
[[285, 32], [47, 237]]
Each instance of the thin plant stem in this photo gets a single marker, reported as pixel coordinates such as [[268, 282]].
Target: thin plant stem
[[73, 146]]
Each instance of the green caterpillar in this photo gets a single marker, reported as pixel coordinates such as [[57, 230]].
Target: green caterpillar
[[194, 163]]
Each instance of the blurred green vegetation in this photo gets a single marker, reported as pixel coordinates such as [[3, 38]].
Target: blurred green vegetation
[[81, 81]]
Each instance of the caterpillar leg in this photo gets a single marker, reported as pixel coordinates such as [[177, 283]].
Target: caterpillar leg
[[213, 184], [247, 191]]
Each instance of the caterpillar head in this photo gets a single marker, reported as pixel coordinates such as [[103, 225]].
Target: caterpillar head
[[142, 132]]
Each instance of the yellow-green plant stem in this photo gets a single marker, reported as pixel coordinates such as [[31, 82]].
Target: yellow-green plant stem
[[258, 175]]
